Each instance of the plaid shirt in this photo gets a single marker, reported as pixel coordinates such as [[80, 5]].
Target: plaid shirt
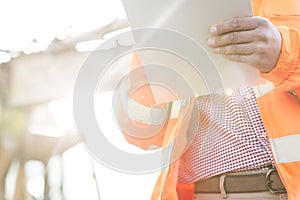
[[230, 137]]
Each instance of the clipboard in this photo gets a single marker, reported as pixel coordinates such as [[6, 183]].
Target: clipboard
[[193, 19]]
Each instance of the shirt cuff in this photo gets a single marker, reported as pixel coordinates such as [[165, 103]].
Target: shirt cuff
[[284, 69]]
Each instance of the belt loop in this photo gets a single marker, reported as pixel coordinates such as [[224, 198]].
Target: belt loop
[[222, 186]]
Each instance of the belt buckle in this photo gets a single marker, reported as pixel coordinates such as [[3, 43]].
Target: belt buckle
[[269, 182]]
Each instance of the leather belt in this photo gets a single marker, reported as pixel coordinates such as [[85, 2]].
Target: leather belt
[[243, 182]]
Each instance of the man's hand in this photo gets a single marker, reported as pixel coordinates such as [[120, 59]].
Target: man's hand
[[251, 40]]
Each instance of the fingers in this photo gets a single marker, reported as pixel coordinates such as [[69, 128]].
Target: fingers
[[238, 58], [231, 38], [251, 60], [237, 24], [238, 49]]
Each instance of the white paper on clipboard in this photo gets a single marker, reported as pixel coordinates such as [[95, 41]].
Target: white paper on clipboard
[[193, 19]]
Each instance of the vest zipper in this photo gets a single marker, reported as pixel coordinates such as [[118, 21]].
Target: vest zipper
[[297, 99]]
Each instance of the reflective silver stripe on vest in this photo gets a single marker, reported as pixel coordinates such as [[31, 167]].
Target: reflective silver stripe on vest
[[262, 89], [147, 115], [154, 115], [286, 149]]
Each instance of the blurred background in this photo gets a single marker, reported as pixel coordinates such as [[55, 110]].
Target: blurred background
[[43, 44]]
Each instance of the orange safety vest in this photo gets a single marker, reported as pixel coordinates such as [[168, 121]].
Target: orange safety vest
[[279, 108]]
